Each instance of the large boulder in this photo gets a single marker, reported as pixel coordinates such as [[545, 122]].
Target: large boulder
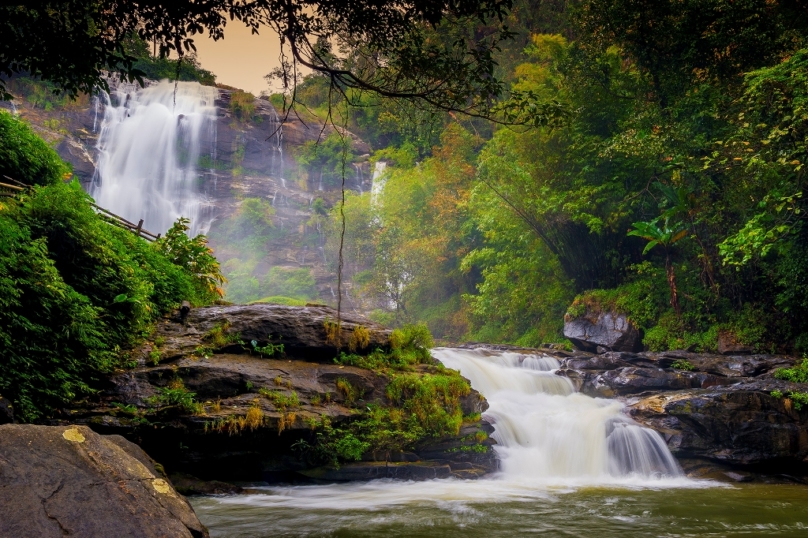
[[68, 480], [602, 331], [741, 425], [303, 331]]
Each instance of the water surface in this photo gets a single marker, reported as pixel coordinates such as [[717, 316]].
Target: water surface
[[486, 508]]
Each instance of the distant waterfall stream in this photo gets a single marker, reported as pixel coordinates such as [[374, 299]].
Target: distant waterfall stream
[[150, 145], [548, 432]]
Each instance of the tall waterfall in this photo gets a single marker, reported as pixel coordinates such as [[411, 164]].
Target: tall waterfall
[[150, 145], [547, 431]]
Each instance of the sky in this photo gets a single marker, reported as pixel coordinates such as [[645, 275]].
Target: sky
[[241, 59]]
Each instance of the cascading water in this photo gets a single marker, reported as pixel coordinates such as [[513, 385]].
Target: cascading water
[[149, 147], [378, 179], [546, 431], [276, 145], [359, 178]]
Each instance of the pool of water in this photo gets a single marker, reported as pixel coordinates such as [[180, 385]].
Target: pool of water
[[493, 508]]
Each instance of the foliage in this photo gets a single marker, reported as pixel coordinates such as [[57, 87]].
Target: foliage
[[158, 67], [76, 294], [242, 105], [797, 374], [175, 394], [323, 160], [267, 350], [423, 406], [414, 49], [194, 255], [24, 156], [683, 364]]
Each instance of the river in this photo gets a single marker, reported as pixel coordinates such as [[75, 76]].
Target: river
[[570, 465]]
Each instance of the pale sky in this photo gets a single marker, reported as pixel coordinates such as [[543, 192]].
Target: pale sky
[[241, 59]]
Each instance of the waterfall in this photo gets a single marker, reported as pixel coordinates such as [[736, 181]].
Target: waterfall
[[547, 431], [150, 143], [378, 179], [358, 177], [276, 145]]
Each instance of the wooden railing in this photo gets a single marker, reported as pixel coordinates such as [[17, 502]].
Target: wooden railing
[[14, 187]]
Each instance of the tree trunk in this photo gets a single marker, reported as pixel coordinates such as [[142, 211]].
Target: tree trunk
[[669, 271]]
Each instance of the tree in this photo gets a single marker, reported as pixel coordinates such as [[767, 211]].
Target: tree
[[412, 49]]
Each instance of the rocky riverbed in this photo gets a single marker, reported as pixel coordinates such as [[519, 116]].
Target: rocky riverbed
[[714, 411]]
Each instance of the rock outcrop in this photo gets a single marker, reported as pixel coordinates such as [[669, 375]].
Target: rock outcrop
[[602, 331], [709, 408], [301, 330], [57, 481], [233, 414]]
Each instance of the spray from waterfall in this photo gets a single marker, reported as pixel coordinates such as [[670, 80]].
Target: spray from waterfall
[[545, 431], [150, 144]]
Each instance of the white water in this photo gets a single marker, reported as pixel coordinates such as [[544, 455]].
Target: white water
[[149, 147], [552, 442], [548, 433], [378, 180]]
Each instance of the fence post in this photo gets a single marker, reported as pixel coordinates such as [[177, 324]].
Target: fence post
[[139, 227]]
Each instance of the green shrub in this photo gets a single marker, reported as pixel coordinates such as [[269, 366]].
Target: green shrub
[[26, 157], [796, 374], [76, 293], [682, 364]]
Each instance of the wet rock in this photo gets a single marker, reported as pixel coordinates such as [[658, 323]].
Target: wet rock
[[57, 481], [608, 330], [301, 330], [740, 424], [191, 485], [623, 374]]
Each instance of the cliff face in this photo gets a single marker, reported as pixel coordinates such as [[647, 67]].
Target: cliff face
[[250, 158]]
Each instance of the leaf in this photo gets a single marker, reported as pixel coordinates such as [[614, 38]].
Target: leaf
[[649, 246], [122, 298]]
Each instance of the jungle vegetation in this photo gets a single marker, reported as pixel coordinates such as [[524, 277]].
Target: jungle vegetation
[[668, 186]]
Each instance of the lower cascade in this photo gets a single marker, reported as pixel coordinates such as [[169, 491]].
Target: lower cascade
[[545, 430]]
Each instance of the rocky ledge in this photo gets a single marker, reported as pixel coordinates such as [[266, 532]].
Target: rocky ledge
[[214, 397], [57, 481], [714, 411]]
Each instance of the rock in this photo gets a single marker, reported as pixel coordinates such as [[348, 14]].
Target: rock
[[728, 344], [206, 433], [301, 330], [714, 410], [373, 470], [191, 485], [6, 411], [68, 480], [740, 424], [609, 330]]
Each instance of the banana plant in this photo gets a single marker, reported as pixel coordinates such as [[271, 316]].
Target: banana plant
[[666, 235]]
